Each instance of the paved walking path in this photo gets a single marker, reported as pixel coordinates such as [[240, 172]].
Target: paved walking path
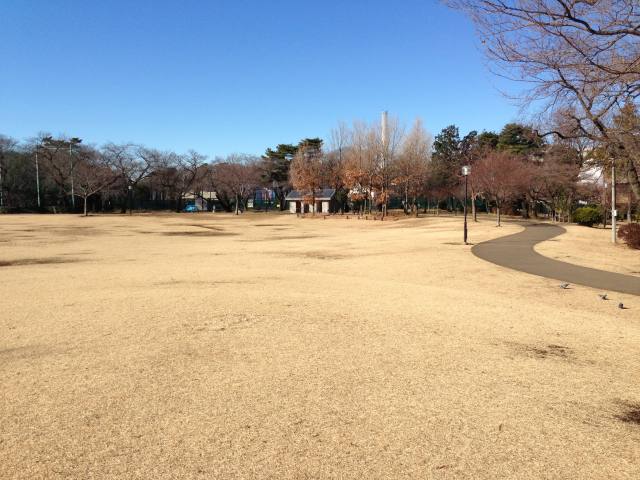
[[516, 252]]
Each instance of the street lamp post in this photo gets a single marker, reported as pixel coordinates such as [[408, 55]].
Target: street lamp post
[[466, 170]]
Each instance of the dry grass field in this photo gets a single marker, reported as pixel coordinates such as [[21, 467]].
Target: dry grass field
[[267, 346], [592, 247]]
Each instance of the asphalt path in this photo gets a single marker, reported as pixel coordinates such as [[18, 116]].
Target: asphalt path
[[516, 252]]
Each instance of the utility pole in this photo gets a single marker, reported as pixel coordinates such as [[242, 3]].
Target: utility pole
[[1, 185], [73, 196], [37, 176], [604, 204], [385, 147], [614, 213]]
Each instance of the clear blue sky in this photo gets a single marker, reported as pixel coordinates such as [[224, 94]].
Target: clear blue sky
[[237, 76]]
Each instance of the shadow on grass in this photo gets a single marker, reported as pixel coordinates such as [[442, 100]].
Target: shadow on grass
[[28, 352], [208, 227], [211, 233], [36, 261], [631, 413], [542, 351]]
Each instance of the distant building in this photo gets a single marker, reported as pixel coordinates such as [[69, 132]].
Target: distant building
[[299, 202], [202, 200], [263, 198]]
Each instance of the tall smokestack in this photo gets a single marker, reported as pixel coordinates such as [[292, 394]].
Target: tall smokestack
[[384, 130]]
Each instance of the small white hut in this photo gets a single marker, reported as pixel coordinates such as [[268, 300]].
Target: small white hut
[[325, 201]]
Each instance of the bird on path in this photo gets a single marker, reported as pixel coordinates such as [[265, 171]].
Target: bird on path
[[603, 296], [564, 285]]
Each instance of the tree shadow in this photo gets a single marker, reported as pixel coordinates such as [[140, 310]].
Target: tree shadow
[[210, 233], [631, 413], [36, 261], [542, 351]]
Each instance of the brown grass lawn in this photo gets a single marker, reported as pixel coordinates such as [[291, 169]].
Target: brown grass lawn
[[266, 346], [592, 247]]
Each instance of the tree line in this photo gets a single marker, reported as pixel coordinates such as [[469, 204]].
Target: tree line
[[514, 169], [56, 174]]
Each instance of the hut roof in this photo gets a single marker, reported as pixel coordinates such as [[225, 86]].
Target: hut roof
[[322, 194]]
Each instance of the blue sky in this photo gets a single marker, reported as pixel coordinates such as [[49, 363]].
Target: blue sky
[[237, 76]]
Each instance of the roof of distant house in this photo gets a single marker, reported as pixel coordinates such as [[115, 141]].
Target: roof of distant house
[[322, 194], [204, 195]]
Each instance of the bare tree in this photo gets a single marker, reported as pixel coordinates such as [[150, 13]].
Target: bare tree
[[133, 163], [178, 173], [58, 162], [581, 58], [340, 142], [388, 145], [412, 165], [558, 178], [93, 173], [626, 128], [359, 165], [340, 139], [369, 164], [205, 183], [18, 184], [189, 169], [7, 145], [500, 176], [237, 175]]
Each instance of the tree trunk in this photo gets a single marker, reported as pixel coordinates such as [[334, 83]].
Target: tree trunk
[[237, 205], [406, 199], [383, 207], [125, 196], [497, 215], [632, 177], [525, 208], [85, 206], [281, 197]]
